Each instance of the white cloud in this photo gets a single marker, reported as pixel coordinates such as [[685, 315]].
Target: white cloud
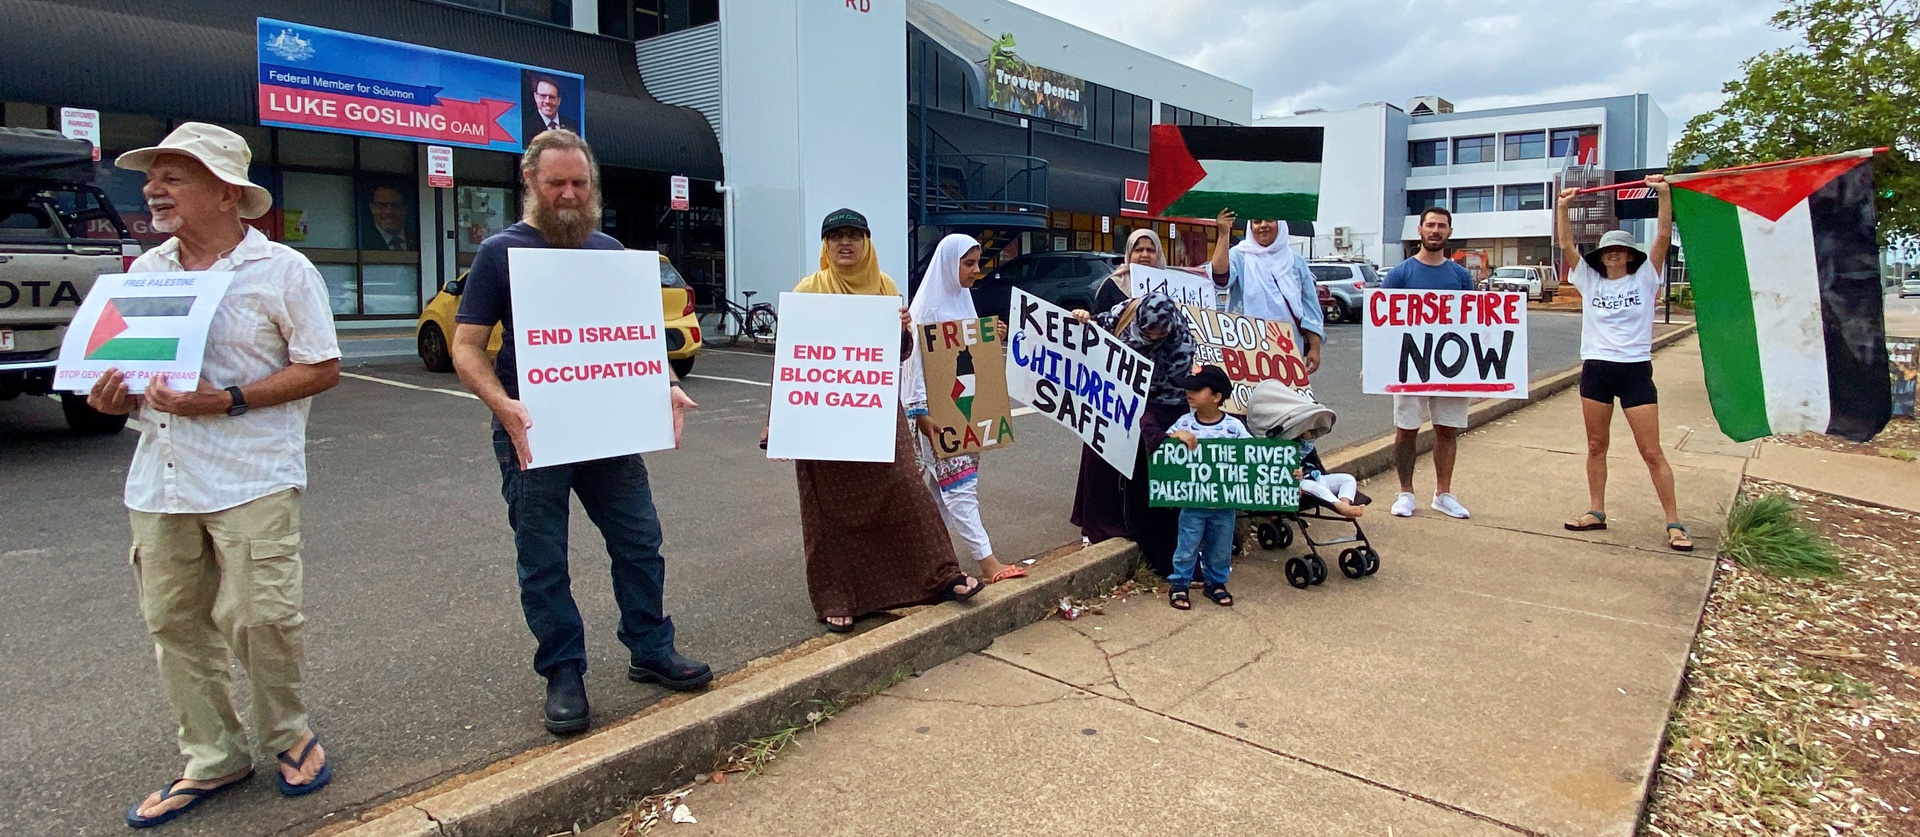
[[1335, 54]]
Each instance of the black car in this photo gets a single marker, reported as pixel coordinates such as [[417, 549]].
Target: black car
[[1067, 279]]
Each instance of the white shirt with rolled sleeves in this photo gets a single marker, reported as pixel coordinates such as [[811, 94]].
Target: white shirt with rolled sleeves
[[275, 314]]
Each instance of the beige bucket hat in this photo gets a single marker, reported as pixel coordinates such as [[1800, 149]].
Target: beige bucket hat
[[223, 152]]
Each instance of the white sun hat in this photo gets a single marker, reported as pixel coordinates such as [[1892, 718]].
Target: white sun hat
[[223, 152]]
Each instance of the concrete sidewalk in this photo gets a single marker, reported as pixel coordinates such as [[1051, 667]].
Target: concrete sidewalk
[[1498, 675]]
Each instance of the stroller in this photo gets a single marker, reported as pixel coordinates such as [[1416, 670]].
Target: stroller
[[1277, 411]]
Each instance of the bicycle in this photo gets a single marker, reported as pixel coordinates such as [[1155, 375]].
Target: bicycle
[[729, 321]]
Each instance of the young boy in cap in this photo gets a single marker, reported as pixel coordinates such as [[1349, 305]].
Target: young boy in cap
[[1206, 535]]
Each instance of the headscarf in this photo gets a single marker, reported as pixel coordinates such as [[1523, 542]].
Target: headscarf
[[940, 297], [1120, 276], [1271, 287], [1172, 355], [863, 279]]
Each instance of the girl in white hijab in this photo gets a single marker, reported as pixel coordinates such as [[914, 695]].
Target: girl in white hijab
[[943, 296]]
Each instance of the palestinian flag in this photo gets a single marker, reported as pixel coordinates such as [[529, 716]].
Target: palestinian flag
[[1266, 173], [1786, 288], [119, 333], [965, 383]]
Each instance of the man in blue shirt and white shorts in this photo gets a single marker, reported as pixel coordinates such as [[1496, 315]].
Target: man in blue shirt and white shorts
[[1429, 270]]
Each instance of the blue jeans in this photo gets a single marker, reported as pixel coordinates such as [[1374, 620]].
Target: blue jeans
[[618, 500], [1206, 538]]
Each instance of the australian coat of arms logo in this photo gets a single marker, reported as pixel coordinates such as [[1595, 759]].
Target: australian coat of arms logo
[[289, 45]]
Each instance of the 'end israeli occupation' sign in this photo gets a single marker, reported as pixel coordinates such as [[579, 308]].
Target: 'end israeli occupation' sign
[[322, 80]]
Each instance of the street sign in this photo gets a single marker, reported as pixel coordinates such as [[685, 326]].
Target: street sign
[[677, 192], [82, 124], [440, 166]]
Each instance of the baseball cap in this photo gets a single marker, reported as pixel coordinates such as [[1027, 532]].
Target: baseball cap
[[1209, 377], [844, 217]]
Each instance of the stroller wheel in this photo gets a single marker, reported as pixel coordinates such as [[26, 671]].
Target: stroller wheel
[[1318, 567], [1286, 535], [1353, 563], [1372, 560], [1269, 534], [1298, 574]]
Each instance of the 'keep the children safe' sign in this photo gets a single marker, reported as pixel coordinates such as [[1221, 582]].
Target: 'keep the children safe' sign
[[1464, 343], [836, 378], [1246, 474], [593, 377], [1078, 375]]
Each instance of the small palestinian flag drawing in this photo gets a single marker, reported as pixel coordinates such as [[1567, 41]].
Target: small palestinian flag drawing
[[1786, 287], [1260, 173], [965, 383], [117, 334]]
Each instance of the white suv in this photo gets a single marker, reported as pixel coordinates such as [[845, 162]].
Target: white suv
[[1538, 281]]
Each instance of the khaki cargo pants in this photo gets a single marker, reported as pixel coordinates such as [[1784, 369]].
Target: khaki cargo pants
[[222, 583]]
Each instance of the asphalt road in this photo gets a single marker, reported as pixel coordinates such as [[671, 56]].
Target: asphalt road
[[418, 660]]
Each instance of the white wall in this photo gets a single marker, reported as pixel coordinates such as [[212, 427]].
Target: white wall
[[1353, 179], [815, 117], [1060, 46]]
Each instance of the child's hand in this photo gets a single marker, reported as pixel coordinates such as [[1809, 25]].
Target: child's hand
[[1186, 438]]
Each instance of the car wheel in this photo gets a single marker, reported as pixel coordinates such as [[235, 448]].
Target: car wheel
[[1546, 297], [86, 421], [433, 349], [683, 366]]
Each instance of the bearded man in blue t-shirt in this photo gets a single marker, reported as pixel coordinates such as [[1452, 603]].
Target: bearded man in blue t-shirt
[[1429, 270]]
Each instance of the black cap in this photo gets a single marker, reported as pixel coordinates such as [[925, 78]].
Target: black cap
[[844, 217], [1209, 377]]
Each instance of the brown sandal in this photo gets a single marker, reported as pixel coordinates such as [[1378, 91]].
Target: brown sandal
[[1579, 524]]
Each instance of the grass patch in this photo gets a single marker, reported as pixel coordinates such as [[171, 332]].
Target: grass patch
[[1768, 533], [1899, 453]]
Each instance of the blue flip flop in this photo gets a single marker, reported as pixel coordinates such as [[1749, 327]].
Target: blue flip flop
[[319, 781], [173, 789]]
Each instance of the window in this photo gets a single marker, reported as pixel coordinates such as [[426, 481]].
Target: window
[[1523, 197], [1421, 200], [1473, 150], [1531, 145], [1427, 153], [1103, 115], [1475, 199], [1330, 272], [1567, 140], [1142, 122]]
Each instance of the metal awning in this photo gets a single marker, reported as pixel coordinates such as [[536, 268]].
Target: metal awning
[[195, 59], [958, 37]]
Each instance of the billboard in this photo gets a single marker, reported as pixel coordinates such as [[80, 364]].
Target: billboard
[[322, 80], [1014, 86]]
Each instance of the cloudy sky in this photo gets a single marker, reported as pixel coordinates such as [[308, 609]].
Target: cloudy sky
[[1335, 54]]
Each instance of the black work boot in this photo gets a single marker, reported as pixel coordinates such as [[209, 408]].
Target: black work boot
[[566, 710], [671, 670]]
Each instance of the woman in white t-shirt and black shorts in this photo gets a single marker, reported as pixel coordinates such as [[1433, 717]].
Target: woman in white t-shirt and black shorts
[[1619, 285]]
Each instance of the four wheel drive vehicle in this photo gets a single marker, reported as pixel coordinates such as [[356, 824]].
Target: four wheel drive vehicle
[[1348, 281], [57, 232], [676, 301], [1068, 279], [1538, 281]]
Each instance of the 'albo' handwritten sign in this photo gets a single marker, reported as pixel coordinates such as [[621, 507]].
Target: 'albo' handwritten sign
[[1246, 474], [836, 378], [593, 375], [1464, 343], [1248, 349], [1078, 375]]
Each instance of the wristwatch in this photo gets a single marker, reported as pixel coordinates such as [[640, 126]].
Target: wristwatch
[[239, 407]]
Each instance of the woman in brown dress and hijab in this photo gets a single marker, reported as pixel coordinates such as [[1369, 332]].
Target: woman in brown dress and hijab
[[873, 535]]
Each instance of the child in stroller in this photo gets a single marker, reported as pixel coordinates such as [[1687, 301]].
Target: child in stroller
[[1277, 411]]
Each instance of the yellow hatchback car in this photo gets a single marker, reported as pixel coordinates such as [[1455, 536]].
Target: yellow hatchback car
[[683, 328]]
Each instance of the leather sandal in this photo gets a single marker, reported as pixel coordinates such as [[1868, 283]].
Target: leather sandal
[[1580, 524]]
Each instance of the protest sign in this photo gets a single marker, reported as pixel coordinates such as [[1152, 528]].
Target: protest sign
[[147, 325], [1465, 343], [836, 378], [1250, 349], [1246, 474], [966, 386], [1185, 288], [1905, 370], [1078, 375], [590, 344]]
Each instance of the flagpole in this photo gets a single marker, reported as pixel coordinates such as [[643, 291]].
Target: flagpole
[[1613, 187]]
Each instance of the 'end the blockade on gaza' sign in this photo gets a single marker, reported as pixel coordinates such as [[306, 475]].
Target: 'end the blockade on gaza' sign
[[1078, 375], [836, 386], [1462, 343]]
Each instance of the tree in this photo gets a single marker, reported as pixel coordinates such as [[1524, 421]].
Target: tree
[[1854, 82]]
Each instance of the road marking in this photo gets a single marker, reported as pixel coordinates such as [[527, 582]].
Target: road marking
[[405, 385], [731, 380], [767, 355], [1023, 411]]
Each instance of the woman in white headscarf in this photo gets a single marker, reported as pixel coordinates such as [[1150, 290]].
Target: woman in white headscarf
[[1267, 279], [944, 296]]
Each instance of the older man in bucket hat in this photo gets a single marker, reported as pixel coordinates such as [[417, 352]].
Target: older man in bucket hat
[[214, 487]]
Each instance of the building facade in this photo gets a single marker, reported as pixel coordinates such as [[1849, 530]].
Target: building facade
[[1498, 170]]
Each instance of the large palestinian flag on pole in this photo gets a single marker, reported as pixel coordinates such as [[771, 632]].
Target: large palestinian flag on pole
[[1786, 288], [1261, 173]]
